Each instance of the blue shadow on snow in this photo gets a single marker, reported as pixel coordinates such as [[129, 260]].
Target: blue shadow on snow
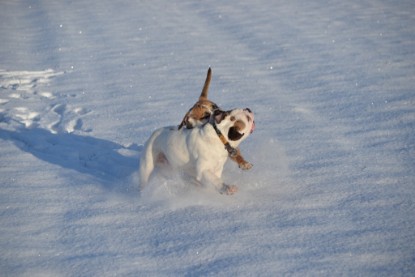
[[103, 159]]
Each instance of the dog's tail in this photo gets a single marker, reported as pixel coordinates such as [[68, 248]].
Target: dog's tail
[[205, 90], [147, 161]]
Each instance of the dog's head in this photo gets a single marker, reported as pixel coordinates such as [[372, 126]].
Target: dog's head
[[236, 125], [199, 114], [202, 110]]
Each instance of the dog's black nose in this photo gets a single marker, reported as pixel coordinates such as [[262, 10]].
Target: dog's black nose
[[248, 109]]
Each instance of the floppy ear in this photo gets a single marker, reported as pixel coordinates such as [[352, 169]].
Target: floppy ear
[[219, 116]]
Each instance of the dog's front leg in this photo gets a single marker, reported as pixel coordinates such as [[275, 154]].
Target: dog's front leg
[[239, 159], [228, 189], [207, 177]]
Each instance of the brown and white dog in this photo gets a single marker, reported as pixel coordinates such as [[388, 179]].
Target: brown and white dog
[[199, 152], [200, 113]]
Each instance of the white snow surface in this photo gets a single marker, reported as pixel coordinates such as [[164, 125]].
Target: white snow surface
[[84, 84]]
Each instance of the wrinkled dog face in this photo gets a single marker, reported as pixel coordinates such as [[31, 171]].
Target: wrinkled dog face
[[236, 124]]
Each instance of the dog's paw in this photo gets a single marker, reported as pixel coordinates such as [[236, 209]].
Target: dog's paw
[[228, 189], [245, 165]]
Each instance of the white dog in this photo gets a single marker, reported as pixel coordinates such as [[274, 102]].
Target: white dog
[[201, 152]]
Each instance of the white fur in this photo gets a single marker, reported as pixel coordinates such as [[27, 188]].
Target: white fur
[[198, 151]]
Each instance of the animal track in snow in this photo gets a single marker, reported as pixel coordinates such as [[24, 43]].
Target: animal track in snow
[[66, 119], [26, 81], [27, 117], [48, 110]]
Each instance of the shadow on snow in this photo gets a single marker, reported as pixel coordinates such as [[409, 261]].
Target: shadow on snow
[[103, 159]]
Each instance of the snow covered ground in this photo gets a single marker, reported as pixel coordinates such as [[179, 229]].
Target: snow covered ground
[[332, 85]]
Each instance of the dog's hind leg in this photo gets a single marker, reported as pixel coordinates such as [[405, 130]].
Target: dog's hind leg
[[146, 167], [147, 160]]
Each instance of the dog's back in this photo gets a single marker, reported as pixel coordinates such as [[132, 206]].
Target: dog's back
[[155, 151]]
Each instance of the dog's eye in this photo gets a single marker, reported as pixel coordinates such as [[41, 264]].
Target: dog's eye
[[248, 118], [232, 118], [206, 115]]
